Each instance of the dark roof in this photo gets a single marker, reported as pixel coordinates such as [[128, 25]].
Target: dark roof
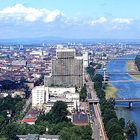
[[80, 119], [49, 136], [37, 136], [29, 137], [32, 137]]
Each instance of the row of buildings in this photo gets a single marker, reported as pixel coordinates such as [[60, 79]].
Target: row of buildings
[[67, 75]]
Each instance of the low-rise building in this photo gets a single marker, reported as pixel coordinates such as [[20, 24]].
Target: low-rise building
[[28, 120], [80, 119], [37, 137], [31, 116], [45, 97], [18, 93]]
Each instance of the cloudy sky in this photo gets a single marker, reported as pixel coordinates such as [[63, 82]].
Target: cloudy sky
[[117, 19]]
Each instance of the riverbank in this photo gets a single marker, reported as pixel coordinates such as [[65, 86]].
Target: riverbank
[[110, 91], [131, 67], [125, 90]]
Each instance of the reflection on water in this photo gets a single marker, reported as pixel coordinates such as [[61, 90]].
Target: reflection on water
[[125, 90]]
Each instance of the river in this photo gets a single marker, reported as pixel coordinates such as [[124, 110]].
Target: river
[[126, 90]]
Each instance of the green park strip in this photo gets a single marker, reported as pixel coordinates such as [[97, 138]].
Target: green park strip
[[3, 138], [137, 77], [116, 128], [110, 91], [132, 68]]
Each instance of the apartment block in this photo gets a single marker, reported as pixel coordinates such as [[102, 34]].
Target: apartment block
[[67, 69]]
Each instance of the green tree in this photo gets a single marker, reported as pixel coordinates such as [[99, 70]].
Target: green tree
[[108, 115], [98, 78], [122, 122], [113, 129], [59, 112], [91, 71], [131, 129], [111, 121], [111, 103], [54, 129], [76, 133], [137, 62], [117, 136], [2, 120], [83, 93], [11, 131]]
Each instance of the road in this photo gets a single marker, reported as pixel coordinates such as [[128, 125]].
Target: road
[[94, 121], [27, 103], [97, 126]]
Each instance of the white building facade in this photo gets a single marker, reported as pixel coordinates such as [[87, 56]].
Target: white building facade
[[45, 97], [85, 59], [39, 96]]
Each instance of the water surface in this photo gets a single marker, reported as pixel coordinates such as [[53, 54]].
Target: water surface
[[126, 90]]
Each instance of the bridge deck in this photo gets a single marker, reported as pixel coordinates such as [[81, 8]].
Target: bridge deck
[[93, 101], [121, 81], [117, 72], [122, 59], [128, 100]]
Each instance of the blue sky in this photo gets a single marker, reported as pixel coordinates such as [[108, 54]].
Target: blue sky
[[70, 18]]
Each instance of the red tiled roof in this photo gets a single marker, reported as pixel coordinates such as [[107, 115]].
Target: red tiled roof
[[26, 120]]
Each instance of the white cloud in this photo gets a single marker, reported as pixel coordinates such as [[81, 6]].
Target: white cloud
[[100, 20], [116, 21], [20, 12], [18, 18], [122, 20], [53, 15]]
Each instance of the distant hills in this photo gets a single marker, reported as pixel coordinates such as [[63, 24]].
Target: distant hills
[[54, 40]]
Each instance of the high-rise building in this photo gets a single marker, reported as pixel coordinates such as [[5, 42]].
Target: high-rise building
[[85, 59], [67, 69]]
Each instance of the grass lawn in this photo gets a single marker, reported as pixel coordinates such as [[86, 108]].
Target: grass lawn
[[110, 91], [132, 68], [137, 77]]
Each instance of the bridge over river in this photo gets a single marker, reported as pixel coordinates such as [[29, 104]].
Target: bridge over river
[[130, 101], [121, 58], [117, 72], [128, 90], [120, 81]]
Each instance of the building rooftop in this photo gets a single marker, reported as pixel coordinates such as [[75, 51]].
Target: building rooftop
[[38, 137], [32, 137], [80, 119], [28, 120], [28, 137], [49, 136], [65, 50]]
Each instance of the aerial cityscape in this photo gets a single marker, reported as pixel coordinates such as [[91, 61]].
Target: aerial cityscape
[[69, 70]]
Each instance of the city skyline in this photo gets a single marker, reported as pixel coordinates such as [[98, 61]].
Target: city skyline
[[87, 19]]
